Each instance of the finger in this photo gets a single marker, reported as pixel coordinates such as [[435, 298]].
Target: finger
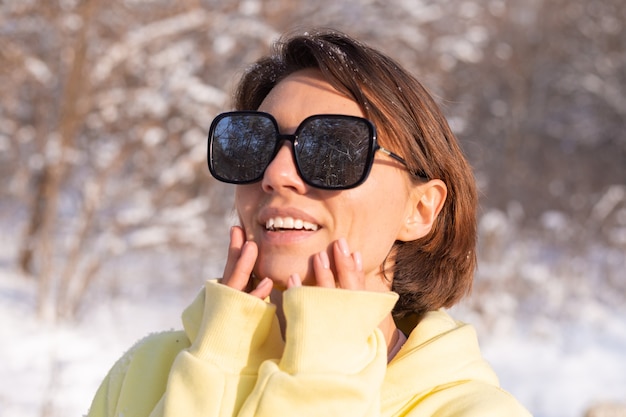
[[324, 276], [358, 261], [242, 270], [294, 281], [264, 289], [349, 266], [237, 239]]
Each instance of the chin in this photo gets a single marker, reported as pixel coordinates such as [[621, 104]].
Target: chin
[[279, 268]]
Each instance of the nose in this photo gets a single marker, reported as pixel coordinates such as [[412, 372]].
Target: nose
[[282, 174]]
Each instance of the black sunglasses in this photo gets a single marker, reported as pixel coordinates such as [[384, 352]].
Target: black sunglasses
[[332, 152]]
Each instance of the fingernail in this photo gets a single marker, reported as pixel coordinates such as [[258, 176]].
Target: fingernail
[[295, 280], [264, 282], [343, 247], [324, 258], [358, 261]]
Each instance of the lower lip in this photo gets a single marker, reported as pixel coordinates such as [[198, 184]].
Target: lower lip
[[287, 237]]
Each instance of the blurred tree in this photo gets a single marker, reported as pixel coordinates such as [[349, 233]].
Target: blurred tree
[[104, 108], [111, 118]]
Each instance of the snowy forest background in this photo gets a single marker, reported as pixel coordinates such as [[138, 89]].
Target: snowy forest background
[[110, 221]]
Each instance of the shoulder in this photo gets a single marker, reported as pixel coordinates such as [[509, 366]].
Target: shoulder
[[454, 379], [162, 343], [144, 367], [469, 399], [483, 400], [153, 353]]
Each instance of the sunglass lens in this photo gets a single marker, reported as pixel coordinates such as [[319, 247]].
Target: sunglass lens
[[242, 147], [334, 152]]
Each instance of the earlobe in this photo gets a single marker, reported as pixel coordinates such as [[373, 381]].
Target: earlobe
[[425, 204]]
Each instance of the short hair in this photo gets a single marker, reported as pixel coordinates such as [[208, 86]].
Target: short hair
[[436, 270]]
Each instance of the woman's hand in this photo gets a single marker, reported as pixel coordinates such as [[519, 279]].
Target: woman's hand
[[348, 275], [348, 269], [347, 272], [242, 255]]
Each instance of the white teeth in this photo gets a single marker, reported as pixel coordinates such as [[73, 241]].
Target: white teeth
[[289, 223], [309, 226]]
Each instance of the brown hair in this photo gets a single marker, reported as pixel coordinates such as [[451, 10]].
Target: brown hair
[[434, 271]]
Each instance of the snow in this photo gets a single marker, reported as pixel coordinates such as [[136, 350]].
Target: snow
[[558, 380], [555, 367], [54, 368]]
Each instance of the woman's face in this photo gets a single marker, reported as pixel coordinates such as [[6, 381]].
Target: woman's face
[[370, 217]]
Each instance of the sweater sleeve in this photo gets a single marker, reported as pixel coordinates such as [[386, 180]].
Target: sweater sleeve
[[335, 356], [215, 375]]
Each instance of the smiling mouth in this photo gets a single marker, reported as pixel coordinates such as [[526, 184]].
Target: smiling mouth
[[277, 224]]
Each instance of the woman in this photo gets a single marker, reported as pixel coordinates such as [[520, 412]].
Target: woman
[[357, 226]]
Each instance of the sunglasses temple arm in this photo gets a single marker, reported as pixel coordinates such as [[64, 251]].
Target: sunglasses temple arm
[[400, 159], [393, 155]]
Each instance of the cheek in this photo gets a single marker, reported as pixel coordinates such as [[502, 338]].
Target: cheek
[[382, 223], [381, 203], [376, 223]]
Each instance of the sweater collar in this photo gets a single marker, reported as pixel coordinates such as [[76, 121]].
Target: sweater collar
[[438, 351]]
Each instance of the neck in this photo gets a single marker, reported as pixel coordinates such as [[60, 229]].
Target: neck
[[389, 329]]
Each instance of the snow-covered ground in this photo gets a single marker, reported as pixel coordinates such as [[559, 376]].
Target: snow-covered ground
[[53, 369], [555, 368]]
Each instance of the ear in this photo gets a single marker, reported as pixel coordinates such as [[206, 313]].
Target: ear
[[425, 204]]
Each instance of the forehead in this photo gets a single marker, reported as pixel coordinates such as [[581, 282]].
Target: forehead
[[305, 93]]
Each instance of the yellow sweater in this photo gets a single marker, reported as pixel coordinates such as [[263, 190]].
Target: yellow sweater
[[231, 361]]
